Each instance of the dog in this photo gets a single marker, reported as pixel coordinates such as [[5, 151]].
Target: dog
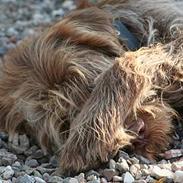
[[105, 77]]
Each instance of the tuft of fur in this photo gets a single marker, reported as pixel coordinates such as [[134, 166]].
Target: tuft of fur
[[79, 90]]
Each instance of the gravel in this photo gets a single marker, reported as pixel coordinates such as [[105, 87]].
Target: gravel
[[22, 160]]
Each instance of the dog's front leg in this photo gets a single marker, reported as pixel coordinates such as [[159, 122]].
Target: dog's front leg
[[98, 131]]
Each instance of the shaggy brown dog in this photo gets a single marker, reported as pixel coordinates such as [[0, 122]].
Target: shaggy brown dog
[[78, 89]]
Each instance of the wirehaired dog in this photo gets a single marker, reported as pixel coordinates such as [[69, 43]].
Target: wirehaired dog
[[78, 88]]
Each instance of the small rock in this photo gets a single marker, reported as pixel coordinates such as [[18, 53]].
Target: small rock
[[53, 161], [24, 142], [58, 13], [143, 160], [177, 166], [39, 180], [173, 153], [92, 175], [32, 163], [73, 180], [68, 5], [112, 164], [16, 164], [178, 178], [128, 178], [31, 151], [81, 178], [4, 136], [37, 154], [123, 155], [8, 173], [135, 171], [122, 166], [37, 174], [11, 32], [7, 158], [145, 172], [117, 179], [55, 179], [25, 179], [134, 160], [109, 174], [46, 177], [140, 181], [103, 180], [160, 173]]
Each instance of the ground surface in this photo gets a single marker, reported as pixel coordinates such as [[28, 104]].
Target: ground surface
[[22, 161]]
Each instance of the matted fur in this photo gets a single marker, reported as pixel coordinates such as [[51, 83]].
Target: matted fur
[[82, 93]]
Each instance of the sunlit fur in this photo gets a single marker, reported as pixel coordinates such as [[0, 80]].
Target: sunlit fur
[[77, 89]]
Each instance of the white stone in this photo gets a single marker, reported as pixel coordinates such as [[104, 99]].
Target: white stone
[[177, 166], [128, 178], [178, 178], [160, 173]]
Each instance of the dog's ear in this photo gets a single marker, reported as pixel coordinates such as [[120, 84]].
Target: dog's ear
[[82, 4], [89, 27]]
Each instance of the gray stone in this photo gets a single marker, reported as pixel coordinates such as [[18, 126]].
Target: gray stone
[[81, 178], [92, 175], [31, 150], [8, 173], [58, 13], [32, 163], [55, 179], [54, 161], [109, 173], [46, 177], [73, 180], [123, 155], [4, 136], [37, 174], [128, 178], [25, 179], [103, 180], [117, 179], [39, 180], [7, 158], [112, 164]]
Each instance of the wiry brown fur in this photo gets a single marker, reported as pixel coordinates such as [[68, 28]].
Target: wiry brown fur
[[79, 89]]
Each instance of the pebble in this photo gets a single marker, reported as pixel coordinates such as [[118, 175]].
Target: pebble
[[159, 173], [128, 178], [177, 166], [46, 177], [8, 173], [112, 164], [32, 163], [73, 180], [7, 158], [109, 173], [122, 166], [55, 179], [135, 170], [81, 178], [39, 180], [173, 153], [117, 179], [178, 178], [54, 161], [25, 179]]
